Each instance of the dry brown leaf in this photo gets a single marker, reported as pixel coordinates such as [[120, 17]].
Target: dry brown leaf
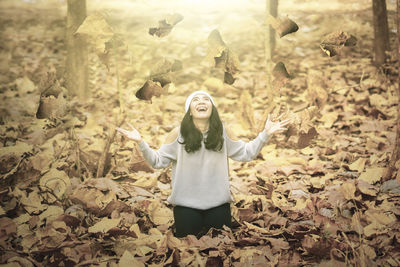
[[19, 261], [51, 213], [220, 56], [138, 162], [281, 76], [372, 175], [366, 188], [282, 26], [358, 165], [166, 25], [334, 42], [104, 225], [348, 190], [98, 33], [57, 182], [8, 227], [160, 214], [51, 107], [150, 89], [127, 260], [246, 110]]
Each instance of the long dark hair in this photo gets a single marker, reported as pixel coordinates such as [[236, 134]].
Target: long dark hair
[[192, 137]]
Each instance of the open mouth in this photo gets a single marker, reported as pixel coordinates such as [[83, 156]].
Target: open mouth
[[201, 108]]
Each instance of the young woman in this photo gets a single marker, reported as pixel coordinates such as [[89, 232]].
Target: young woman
[[199, 151]]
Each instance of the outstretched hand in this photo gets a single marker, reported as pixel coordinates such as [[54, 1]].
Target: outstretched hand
[[274, 127], [133, 134]]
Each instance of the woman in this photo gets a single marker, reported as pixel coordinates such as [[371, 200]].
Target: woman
[[199, 151]]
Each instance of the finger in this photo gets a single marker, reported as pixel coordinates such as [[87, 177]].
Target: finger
[[130, 125], [280, 116], [286, 122], [125, 132]]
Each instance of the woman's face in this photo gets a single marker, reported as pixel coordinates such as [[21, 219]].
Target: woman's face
[[201, 107]]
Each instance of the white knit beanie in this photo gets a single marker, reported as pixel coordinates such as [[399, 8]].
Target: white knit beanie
[[192, 95]]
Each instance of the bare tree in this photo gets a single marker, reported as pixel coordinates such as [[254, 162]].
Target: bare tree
[[271, 9], [394, 164], [381, 31], [77, 56], [269, 43]]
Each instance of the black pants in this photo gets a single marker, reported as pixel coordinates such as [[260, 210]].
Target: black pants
[[190, 221]]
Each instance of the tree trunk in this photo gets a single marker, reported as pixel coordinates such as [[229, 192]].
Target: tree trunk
[[393, 170], [271, 9], [269, 44], [381, 31], [77, 56]]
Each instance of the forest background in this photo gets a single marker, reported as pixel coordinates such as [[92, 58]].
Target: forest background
[[75, 193]]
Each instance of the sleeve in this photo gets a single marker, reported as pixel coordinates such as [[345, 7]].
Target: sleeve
[[160, 158], [246, 151]]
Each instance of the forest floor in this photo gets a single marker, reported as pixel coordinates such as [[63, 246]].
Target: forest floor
[[313, 196]]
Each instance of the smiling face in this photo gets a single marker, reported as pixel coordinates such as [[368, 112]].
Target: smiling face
[[201, 107]]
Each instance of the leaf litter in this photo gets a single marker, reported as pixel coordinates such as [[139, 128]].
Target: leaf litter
[[314, 195]]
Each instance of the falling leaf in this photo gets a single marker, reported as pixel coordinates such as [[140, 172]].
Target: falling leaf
[[228, 78], [98, 33], [317, 88], [166, 25], [148, 90], [220, 56], [138, 163], [281, 76], [282, 26], [305, 138], [334, 42], [246, 110], [52, 107]]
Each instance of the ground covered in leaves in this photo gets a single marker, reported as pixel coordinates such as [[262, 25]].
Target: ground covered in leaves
[[314, 195]]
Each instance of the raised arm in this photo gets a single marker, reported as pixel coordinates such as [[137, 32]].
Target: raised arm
[[246, 151], [160, 158]]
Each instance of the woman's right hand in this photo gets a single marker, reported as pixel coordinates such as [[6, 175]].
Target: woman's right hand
[[133, 134]]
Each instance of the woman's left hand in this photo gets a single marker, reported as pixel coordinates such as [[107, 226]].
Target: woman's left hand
[[272, 127]]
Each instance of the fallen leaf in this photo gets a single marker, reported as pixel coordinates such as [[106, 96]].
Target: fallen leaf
[[104, 225], [372, 175], [57, 182], [358, 165]]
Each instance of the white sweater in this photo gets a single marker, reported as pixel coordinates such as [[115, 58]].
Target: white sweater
[[200, 179]]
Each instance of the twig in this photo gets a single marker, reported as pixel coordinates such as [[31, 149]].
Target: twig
[[103, 157], [90, 262]]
